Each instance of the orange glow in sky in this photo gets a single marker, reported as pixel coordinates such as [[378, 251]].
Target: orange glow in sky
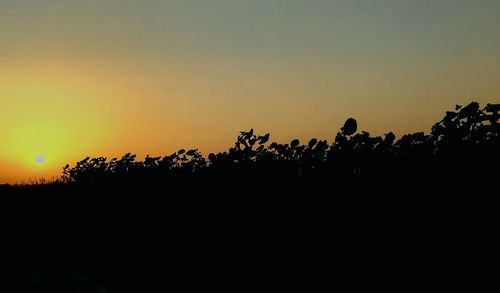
[[104, 78]]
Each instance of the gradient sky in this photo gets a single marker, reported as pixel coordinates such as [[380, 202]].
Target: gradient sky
[[104, 77]]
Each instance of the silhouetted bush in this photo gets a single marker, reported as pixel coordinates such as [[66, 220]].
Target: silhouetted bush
[[462, 144]]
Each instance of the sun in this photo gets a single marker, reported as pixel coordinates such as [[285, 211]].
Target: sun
[[37, 145], [40, 159], [47, 122], [50, 119]]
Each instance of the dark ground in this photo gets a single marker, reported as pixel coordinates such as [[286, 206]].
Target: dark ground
[[63, 239]]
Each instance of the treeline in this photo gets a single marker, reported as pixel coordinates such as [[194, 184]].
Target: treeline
[[464, 143]]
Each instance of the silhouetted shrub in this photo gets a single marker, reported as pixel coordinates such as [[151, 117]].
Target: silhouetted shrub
[[462, 135]]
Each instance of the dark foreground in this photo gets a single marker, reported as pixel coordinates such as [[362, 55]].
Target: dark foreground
[[147, 241]]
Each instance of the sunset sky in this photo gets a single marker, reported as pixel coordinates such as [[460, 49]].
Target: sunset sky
[[104, 77]]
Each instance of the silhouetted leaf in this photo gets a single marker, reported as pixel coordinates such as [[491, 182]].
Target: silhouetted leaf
[[350, 127], [389, 138], [469, 110], [492, 108], [312, 143], [264, 139]]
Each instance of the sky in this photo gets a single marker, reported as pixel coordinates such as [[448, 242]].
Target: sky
[[105, 77]]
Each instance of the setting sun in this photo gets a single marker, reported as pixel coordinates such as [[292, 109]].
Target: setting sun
[[40, 159], [43, 116], [55, 115]]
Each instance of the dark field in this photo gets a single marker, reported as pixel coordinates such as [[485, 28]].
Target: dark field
[[262, 215]]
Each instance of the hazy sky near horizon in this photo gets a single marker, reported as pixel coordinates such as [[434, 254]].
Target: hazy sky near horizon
[[104, 77]]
